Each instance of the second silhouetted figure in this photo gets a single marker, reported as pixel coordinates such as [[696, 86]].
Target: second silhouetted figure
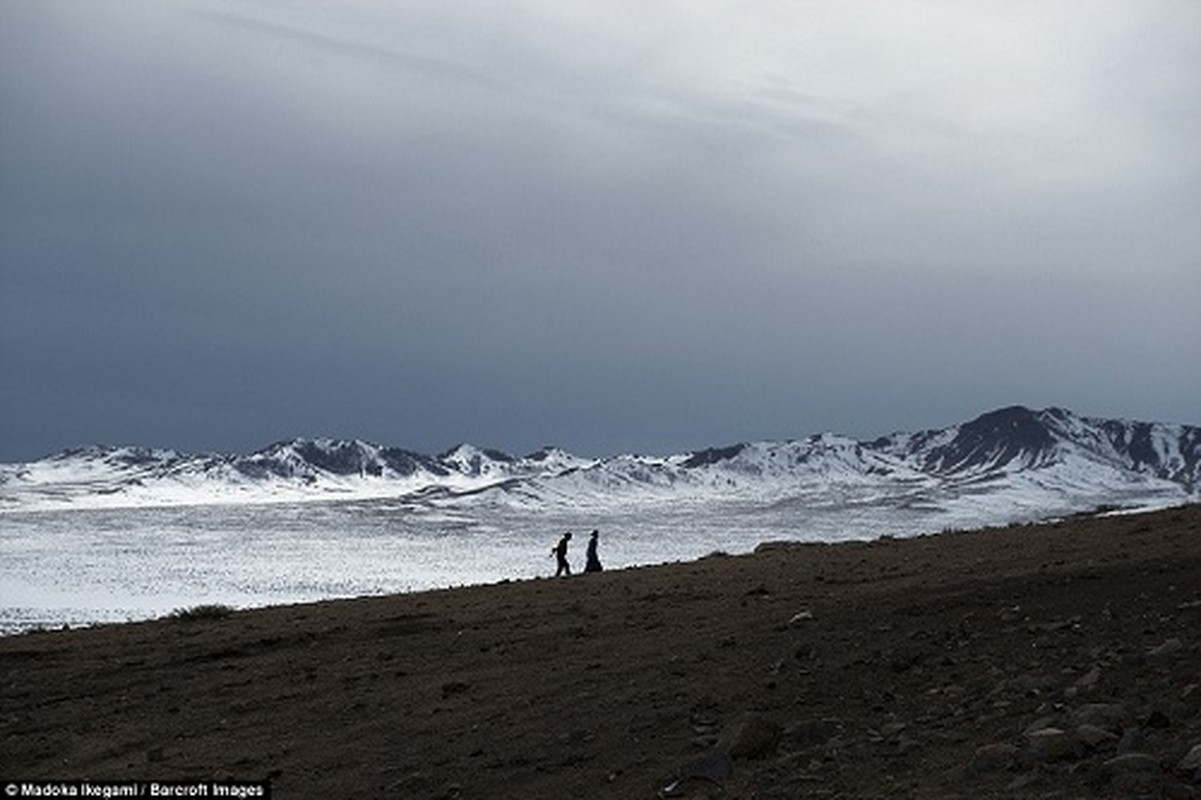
[[593, 563]]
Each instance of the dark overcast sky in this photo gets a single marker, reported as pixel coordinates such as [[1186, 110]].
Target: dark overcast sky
[[611, 225]]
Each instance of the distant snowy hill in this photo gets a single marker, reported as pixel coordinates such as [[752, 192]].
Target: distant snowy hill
[[1012, 464], [292, 470]]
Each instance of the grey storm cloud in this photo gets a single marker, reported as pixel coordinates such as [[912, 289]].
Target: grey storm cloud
[[607, 225]]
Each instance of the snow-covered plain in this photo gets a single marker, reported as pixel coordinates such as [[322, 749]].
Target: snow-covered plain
[[115, 534], [102, 565]]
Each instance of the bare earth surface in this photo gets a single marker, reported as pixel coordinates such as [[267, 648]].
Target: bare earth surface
[[1061, 660]]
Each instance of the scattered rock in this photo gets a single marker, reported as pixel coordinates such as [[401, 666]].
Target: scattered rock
[[1191, 763], [1056, 626], [1130, 762], [704, 724], [994, 758], [713, 767], [1157, 719], [1093, 737], [811, 733], [801, 617], [905, 659], [755, 737], [1088, 681], [1049, 744], [1133, 740], [1041, 723], [1033, 683], [451, 688], [1169, 648], [1148, 785], [1022, 782], [1108, 716]]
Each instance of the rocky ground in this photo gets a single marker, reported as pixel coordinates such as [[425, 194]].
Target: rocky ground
[[1053, 661]]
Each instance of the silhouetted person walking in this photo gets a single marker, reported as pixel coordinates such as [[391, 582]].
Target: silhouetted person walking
[[593, 564], [559, 551]]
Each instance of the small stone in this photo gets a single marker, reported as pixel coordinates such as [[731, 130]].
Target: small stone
[[1093, 737], [993, 758], [1168, 648], [1130, 762], [451, 688], [1033, 683], [713, 765], [812, 732], [1132, 741], [1109, 716], [1191, 762], [1041, 723], [801, 617], [1088, 681], [756, 737], [1050, 744], [1022, 782], [1157, 718]]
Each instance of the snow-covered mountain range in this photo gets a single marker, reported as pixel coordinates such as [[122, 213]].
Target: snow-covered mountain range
[[1011, 464]]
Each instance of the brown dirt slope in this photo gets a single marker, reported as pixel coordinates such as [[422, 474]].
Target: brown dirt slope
[[1061, 660]]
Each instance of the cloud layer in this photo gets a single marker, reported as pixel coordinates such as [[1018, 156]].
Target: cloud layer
[[611, 226]]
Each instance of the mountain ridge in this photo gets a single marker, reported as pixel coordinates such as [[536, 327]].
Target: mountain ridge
[[1052, 452]]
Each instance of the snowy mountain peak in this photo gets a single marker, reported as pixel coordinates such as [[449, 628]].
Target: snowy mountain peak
[[124, 455], [1034, 459], [470, 460], [994, 441], [1017, 439], [713, 455], [312, 458], [549, 453], [555, 460]]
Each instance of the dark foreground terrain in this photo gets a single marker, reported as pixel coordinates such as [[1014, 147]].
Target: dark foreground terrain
[[1061, 660]]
